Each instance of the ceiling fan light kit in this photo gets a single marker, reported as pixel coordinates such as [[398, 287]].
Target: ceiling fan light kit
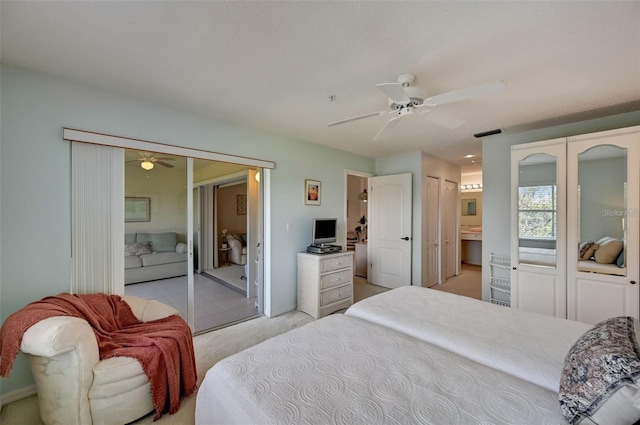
[[148, 161], [147, 165], [403, 98]]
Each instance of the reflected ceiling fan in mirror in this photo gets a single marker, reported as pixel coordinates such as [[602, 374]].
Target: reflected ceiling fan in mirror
[[404, 99], [148, 161]]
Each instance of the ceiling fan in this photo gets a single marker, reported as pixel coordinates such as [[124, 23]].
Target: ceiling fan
[[148, 161], [405, 98]]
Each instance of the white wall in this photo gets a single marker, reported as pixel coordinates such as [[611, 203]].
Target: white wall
[[496, 175], [35, 176]]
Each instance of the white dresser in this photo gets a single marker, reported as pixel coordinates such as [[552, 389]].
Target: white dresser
[[325, 282]]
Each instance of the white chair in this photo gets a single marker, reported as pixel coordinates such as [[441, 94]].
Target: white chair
[[74, 385], [238, 251]]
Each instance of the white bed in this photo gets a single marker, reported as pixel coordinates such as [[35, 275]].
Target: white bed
[[410, 355], [345, 370], [526, 345]]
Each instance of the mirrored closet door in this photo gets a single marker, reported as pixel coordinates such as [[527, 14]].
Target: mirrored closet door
[[574, 226], [538, 245], [602, 268]]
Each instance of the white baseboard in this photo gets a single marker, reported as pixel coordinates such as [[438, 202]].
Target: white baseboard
[[18, 394]]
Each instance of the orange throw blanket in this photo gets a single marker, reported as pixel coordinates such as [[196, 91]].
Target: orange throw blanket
[[164, 347]]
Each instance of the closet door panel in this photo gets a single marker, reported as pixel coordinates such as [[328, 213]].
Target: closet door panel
[[603, 182], [537, 292], [597, 300], [538, 222]]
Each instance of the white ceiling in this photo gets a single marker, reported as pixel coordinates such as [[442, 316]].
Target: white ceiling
[[274, 65]]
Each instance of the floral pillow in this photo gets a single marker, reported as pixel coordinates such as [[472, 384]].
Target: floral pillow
[[600, 374], [131, 249]]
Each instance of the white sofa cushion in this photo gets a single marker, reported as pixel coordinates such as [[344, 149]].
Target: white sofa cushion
[[158, 258], [132, 262]]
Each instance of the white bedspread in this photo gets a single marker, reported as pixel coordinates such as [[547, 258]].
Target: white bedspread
[[526, 345], [344, 370]]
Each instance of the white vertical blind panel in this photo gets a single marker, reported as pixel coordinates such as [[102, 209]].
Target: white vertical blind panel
[[97, 214]]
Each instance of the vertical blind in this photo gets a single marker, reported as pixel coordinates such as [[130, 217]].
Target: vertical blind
[[97, 218]]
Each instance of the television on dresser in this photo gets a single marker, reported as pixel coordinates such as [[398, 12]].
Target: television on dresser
[[324, 231]]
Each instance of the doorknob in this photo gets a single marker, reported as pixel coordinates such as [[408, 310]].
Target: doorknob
[[406, 238]]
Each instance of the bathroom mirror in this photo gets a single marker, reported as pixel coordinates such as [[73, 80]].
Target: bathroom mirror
[[468, 207], [602, 207], [537, 217]]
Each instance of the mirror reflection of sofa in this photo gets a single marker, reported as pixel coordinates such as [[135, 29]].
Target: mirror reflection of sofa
[[238, 244], [153, 256]]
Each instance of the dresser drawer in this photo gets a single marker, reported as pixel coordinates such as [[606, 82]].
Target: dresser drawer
[[333, 295], [335, 263], [336, 279]]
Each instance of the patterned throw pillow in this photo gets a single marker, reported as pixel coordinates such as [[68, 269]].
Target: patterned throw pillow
[[587, 249], [137, 249], [600, 373]]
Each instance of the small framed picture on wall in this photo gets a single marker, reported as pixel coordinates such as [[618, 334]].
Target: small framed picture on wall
[[311, 192], [137, 209]]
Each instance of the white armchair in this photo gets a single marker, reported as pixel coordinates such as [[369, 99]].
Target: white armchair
[[238, 251], [74, 385]]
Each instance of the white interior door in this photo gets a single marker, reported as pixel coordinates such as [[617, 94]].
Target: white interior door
[[449, 230], [389, 231], [431, 254]]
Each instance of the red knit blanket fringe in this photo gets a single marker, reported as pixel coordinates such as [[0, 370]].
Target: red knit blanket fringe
[[164, 347]]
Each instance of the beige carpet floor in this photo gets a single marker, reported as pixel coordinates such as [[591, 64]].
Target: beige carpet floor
[[468, 283]]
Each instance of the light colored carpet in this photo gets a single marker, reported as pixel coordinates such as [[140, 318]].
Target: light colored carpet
[[468, 283], [209, 348]]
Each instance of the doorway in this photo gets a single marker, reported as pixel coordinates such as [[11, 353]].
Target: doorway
[[157, 212], [357, 226]]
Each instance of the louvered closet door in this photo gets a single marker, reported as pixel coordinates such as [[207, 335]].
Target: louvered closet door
[[538, 223]]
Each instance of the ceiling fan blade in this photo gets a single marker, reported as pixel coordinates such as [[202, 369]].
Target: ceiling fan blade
[[388, 127], [444, 120], [394, 91], [467, 93], [163, 164], [373, 114], [165, 159], [133, 160]]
